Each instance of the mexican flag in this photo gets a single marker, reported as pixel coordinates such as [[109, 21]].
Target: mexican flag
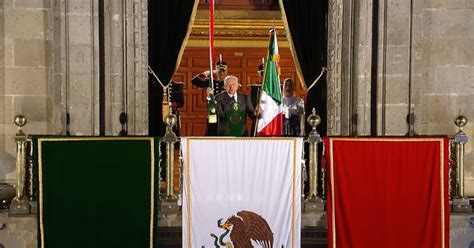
[[253, 201], [270, 122]]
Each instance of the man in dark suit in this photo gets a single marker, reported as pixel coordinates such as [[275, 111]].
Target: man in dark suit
[[232, 109]]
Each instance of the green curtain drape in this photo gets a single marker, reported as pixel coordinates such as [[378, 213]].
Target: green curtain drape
[[305, 23], [169, 24], [97, 191]]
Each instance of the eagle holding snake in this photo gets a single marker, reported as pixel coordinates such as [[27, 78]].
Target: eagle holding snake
[[246, 226]]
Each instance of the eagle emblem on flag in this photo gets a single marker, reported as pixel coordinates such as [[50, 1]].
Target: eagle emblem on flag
[[245, 227]]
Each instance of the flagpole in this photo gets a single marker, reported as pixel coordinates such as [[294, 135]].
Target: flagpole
[[265, 67], [211, 43], [211, 101]]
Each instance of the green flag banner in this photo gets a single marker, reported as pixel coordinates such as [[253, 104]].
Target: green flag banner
[[97, 191]]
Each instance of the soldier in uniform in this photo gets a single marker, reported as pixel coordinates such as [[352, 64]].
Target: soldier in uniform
[[255, 87], [202, 81], [255, 91]]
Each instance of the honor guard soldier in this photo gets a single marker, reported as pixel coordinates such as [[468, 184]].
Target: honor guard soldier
[[255, 90], [202, 80], [255, 87]]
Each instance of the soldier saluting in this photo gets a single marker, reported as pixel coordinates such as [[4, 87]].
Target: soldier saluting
[[203, 80]]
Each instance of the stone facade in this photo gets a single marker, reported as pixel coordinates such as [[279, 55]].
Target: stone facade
[[49, 66], [424, 66], [26, 39], [444, 58]]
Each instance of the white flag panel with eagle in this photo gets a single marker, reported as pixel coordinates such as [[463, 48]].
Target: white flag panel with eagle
[[241, 192]]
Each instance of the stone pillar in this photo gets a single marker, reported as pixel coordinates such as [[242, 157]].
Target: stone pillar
[[349, 66], [76, 57], [76, 66], [137, 55], [334, 76], [126, 62], [361, 61], [395, 75]]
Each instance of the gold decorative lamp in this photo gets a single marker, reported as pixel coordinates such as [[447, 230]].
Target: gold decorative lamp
[[313, 202], [460, 139], [460, 203], [19, 204], [170, 203], [170, 139]]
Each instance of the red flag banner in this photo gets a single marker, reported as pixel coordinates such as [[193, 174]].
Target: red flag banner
[[387, 192]]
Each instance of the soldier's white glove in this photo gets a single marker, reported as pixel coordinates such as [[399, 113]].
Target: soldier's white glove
[[208, 73]]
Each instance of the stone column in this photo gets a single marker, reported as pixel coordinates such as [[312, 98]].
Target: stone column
[[76, 66], [75, 87], [126, 62]]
